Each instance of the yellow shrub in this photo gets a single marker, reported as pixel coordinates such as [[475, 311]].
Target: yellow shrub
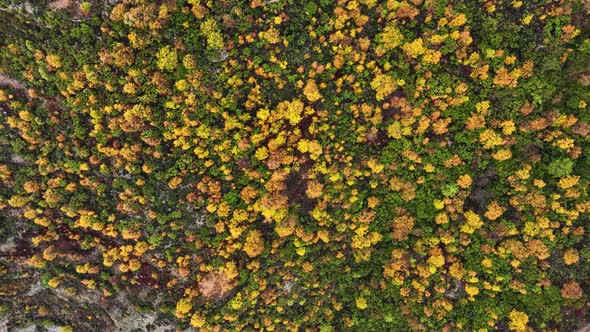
[[361, 303], [383, 85], [518, 321], [311, 91], [502, 155], [391, 37], [254, 245], [53, 60], [568, 182], [571, 257], [415, 48], [183, 306], [198, 320]]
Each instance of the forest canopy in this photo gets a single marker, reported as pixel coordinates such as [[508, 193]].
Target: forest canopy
[[282, 165]]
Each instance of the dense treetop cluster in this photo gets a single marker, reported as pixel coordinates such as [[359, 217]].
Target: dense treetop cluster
[[289, 165]]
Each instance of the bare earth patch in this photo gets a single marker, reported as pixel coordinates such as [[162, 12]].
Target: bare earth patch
[[215, 285], [5, 80], [59, 4]]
